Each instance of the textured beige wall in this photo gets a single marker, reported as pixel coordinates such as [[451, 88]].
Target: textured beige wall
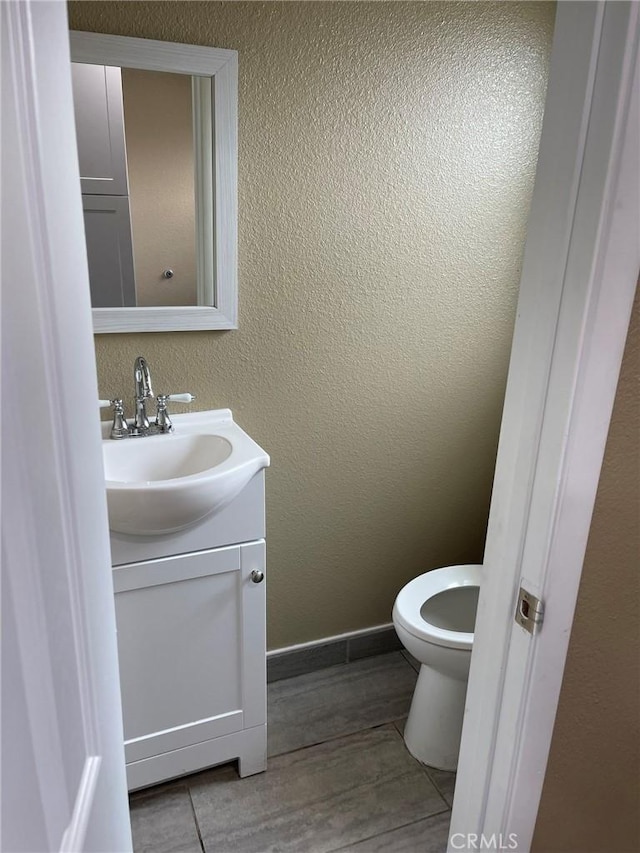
[[591, 797], [386, 163], [159, 131]]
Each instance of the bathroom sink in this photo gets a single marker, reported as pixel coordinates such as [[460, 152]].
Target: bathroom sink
[[164, 483]]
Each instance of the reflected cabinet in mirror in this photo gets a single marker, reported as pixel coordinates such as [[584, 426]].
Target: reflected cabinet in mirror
[[156, 126]]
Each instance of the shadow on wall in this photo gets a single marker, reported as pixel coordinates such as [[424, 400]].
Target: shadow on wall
[[386, 164]]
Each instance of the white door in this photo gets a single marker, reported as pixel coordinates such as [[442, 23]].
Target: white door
[[579, 276], [63, 778]]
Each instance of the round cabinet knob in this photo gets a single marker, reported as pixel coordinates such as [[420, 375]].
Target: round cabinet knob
[[257, 577]]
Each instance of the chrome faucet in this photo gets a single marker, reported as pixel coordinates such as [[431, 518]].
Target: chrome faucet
[[144, 391], [141, 426]]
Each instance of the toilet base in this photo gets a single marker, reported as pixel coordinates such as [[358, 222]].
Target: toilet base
[[434, 726]]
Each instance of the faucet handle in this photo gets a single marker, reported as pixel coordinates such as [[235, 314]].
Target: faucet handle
[[120, 427], [163, 421], [182, 397]]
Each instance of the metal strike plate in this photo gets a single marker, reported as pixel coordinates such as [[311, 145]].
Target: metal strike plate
[[529, 611]]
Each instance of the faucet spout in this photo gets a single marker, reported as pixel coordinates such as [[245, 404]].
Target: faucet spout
[[142, 380]]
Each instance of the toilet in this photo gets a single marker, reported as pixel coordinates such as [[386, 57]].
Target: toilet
[[434, 616]]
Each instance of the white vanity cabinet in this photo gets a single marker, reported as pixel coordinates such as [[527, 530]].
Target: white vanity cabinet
[[190, 609]]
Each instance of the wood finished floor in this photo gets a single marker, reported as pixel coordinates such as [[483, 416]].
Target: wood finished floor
[[339, 777]]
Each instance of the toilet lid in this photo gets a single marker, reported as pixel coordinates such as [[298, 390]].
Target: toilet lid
[[413, 601]]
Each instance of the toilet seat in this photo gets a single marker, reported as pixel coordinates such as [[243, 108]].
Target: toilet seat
[[413, 596]]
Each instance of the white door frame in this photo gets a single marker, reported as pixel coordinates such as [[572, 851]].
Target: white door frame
[[581, 265]]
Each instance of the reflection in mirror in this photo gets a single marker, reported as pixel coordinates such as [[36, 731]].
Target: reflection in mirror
[[156, 127], [136, 142]]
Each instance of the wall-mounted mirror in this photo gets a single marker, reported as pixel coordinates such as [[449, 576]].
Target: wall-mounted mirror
[[156, 125]]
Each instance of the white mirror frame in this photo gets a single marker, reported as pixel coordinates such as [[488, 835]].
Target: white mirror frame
[[220, 252]]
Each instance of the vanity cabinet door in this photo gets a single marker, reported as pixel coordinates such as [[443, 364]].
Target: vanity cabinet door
[[191, 643]]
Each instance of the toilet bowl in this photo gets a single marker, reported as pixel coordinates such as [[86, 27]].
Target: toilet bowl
[[434, 616]]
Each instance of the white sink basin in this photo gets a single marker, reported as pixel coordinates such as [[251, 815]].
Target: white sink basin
[[164, 483]]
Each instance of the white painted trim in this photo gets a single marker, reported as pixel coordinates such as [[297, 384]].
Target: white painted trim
[[579, 276], [148, 54], [179, 737], [248, 746], [203, 166], [253, 634], [222, 67], [323, 641]]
